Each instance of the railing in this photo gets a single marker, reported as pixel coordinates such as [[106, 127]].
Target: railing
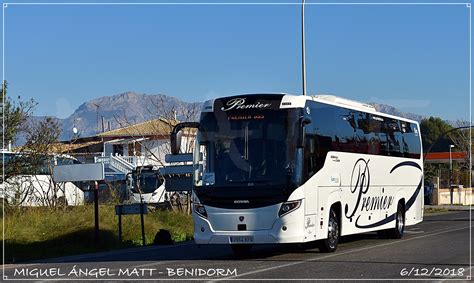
[[125, 164], [128, 159], [143, 161], [102, 159], [121, 165]]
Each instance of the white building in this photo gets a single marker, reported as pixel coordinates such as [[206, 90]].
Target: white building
[[140, 144]]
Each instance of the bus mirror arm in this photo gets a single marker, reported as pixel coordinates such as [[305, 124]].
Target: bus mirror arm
[[301, 137], [297, 173], [305, 121], [176, 134]]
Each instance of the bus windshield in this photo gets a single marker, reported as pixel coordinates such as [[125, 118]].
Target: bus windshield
[[246, 149], [149, 181]]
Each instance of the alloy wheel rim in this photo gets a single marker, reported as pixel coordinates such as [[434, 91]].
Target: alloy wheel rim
[[333, 233], [400, 222]]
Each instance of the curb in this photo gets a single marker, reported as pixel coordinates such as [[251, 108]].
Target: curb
[[451, 207]]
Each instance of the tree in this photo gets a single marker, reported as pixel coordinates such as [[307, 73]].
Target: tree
[[461, 139], [16, 114], [168, 114], [41, 136], [431, 129], [34, 157]]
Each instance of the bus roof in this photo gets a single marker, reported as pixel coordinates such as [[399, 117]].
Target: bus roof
[[299, 101]]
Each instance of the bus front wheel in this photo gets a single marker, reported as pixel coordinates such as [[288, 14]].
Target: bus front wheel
[[397, 231], [329, 245]]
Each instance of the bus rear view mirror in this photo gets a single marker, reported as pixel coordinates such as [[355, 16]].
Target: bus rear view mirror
[[303, 122], [176, 142], [176, 135]]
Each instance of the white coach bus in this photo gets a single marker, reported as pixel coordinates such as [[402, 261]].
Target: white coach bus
[[278, 168]]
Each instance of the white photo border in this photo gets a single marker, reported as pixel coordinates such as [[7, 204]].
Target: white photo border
[[467, 4]]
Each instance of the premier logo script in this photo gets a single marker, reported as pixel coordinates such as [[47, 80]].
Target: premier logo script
[[239, 103], [360, 185]]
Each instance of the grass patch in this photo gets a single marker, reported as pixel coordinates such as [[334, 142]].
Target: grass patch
[[38, 232]]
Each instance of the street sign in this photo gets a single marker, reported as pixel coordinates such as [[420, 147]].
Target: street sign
[[177, 170], [83, 173], [184, 157], [79, 172], [134, 208], [178, 183]]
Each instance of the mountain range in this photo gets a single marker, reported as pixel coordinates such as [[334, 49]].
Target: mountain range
[[131, 107], [115, 111]]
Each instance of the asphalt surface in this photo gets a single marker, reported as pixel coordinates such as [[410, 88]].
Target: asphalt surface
[[437, 248]]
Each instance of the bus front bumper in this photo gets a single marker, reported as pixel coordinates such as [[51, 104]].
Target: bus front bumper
[[283, 231]]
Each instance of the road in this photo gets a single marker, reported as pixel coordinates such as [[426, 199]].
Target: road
[[439, 245]]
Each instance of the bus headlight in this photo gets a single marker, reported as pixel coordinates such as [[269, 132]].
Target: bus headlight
[[288, 207], [200, 209]]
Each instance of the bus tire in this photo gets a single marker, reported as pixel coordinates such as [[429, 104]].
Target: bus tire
[[398, 230], [241, 250], [329, 244]]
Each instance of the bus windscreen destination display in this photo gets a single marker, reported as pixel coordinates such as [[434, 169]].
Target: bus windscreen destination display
[[250, 102], [245, 117]]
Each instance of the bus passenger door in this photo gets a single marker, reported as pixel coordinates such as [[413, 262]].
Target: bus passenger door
[[310, 187], [311, 205]]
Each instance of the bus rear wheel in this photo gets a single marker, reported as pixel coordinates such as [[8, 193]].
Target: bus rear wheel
[[329, 245], [398, 230], [241, 250]]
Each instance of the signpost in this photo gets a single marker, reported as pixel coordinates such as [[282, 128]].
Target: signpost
[[83, 173], [178, 177], [130, 209], [79, 172]]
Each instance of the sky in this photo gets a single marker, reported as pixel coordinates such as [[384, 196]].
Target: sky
[[413, 57]]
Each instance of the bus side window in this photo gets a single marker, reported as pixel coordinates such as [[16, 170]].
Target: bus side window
[[405, 128], [384, 142], [362, 131], [411, 139], [416, 145], [323, 131], [310, 157], [395, 138], [377, 140], [345, 130]]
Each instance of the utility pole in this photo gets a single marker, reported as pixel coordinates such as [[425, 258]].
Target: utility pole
[[451, 189], [303, 57], [97, 112], [96, 215]]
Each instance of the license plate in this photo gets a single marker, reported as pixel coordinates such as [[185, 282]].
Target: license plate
[[241, 239]]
